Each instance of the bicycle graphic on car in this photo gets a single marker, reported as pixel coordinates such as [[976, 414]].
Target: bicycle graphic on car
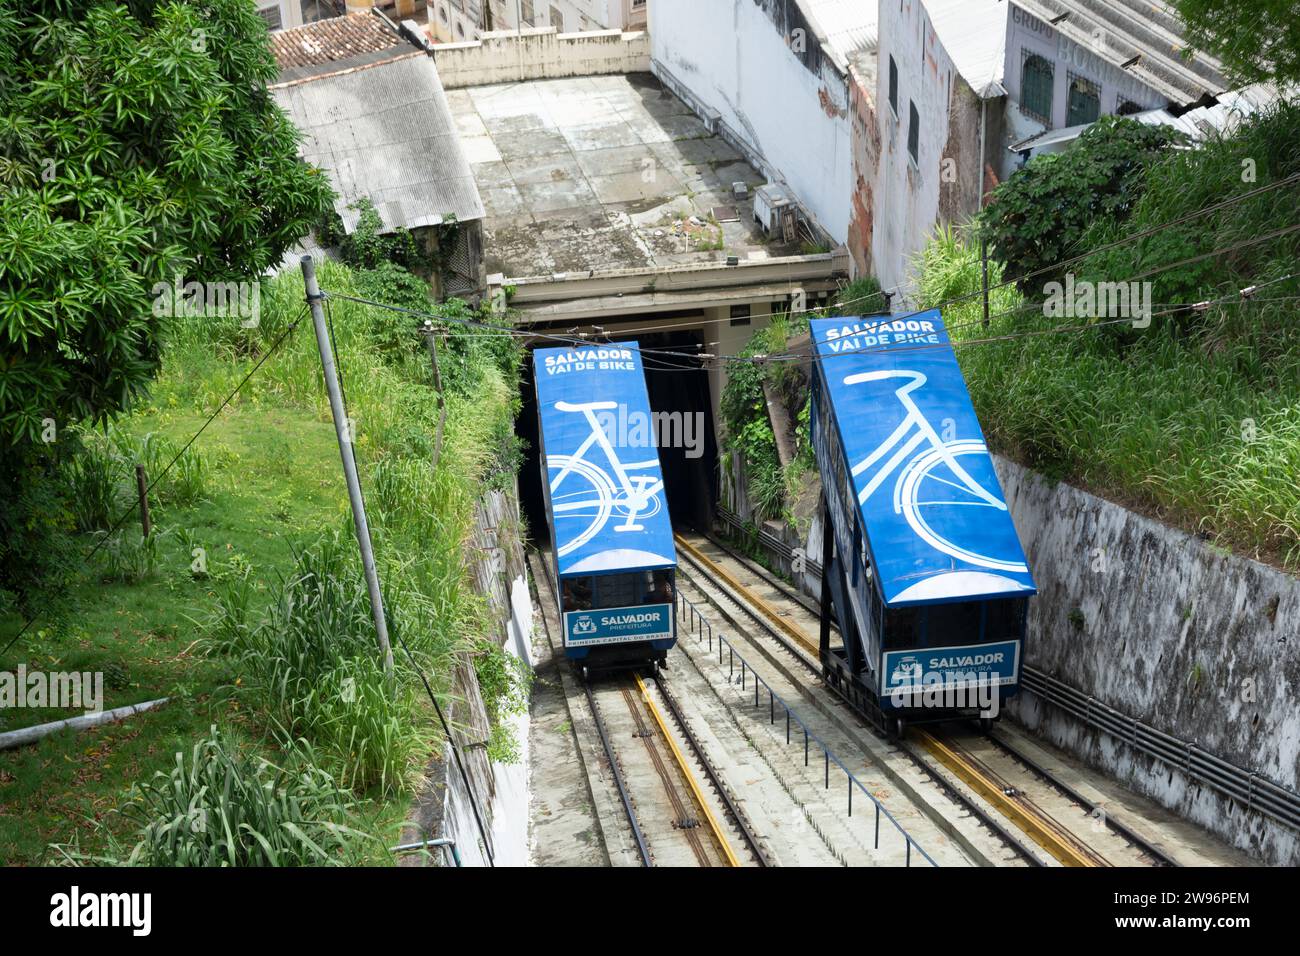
[[592, 495], [933, 487]]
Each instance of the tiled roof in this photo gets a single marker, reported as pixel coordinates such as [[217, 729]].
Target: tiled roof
[[345, 40]]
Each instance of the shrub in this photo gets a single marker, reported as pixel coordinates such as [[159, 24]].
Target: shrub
[[1037, 218], [37, 551], [862, 296], [748, 428], [504, 681], [313, 665]]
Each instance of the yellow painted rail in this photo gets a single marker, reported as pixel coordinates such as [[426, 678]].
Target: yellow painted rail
[[1021, 811], [744, 591], [698, 794]]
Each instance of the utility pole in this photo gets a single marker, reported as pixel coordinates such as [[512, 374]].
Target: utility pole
[[343, 431], [142, 491]]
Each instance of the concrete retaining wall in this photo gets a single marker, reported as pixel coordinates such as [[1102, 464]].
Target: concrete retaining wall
[[502, 57], [1174, 632], [445, 807]]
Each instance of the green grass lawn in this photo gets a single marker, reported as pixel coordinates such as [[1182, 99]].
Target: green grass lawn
[[246, 606], [275, 476]]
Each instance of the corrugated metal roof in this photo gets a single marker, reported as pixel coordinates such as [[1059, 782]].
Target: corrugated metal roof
[[386, 132], [1199, 124], [1144, 37], [1223, 117], [974, 32], [848, 25]]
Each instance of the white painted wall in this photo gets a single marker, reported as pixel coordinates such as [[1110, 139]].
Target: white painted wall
[[502, 57], [907, 193], [732, 59]]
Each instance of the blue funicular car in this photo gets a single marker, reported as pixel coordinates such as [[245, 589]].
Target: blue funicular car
[[611, 537], [922, 562]]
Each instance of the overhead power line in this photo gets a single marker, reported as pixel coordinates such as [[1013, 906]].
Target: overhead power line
[[157, 478]]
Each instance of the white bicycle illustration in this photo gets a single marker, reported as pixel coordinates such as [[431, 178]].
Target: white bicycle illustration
[[919, 474], [594, 495]]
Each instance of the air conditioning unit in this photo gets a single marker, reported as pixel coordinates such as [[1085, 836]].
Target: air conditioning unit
[[775, 211]]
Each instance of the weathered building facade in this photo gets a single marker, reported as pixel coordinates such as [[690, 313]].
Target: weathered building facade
[[885, 120], [960, 82], [773, 77]]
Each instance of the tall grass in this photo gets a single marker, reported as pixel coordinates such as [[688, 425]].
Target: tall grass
[[1201, 428], [312, 666], [308, 666], [101, 477], [223, 808]]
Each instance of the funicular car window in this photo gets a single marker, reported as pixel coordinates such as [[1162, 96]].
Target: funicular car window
[[617, 590], [1002, 619], [952, 623], [902, 627]]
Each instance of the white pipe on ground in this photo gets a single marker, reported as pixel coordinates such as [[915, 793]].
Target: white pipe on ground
[[29, 735]]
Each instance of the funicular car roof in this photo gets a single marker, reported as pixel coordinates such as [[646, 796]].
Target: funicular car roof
[[580, 375], [893, 380]]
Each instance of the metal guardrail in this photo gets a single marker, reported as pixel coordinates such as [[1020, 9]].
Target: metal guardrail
[[1256, 792], [768, 540], [1253, 790], [703, 630]]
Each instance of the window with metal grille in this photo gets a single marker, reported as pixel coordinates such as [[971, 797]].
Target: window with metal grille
[[1125, 107], [1036, 79], [1084, 102], [557, 20], [272, 16], [913, 133], [526, 12], [893, 86]]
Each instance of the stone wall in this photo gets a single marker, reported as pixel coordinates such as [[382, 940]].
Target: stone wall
[[445, 807]]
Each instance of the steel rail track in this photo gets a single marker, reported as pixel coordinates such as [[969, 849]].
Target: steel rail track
[[1142, 843], [643, 850], [801, 649], [742, 823], [620, 781], [1116, 826], [685, 820], [1256, 791]]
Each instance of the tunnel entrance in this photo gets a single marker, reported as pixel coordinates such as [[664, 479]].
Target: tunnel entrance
[[678, 388]]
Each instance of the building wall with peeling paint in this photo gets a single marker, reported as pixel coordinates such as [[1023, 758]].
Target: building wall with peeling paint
[[737, 57], [944, 183], [865, 160]]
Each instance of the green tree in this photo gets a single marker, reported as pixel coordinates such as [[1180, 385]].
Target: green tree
[[138, 146], [1039, 215], [1255, 39]]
